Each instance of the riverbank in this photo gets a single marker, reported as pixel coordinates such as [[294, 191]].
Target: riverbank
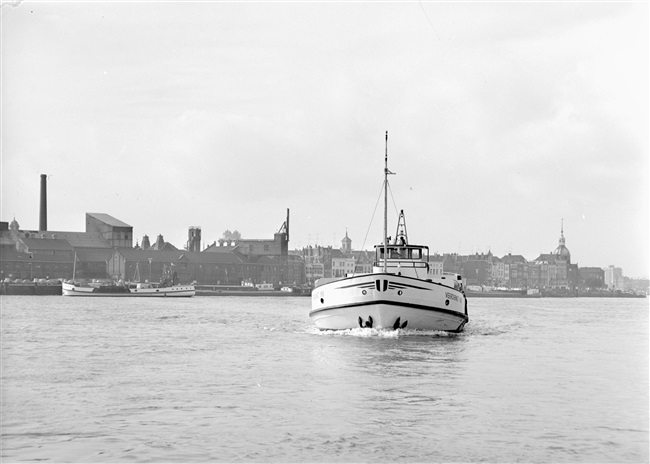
[[554, 294], [244, 290], [31, 288], [43, 289]]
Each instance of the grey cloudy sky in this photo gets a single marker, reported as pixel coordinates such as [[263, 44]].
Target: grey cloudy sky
[[503, 118]]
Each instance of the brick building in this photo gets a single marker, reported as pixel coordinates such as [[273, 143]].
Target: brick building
[[105, 250]]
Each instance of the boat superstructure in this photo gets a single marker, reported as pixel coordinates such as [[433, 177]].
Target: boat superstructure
[[401, 291], [140, 289]]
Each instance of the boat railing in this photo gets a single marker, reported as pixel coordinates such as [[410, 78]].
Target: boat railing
[[450, 279], [401, 264]]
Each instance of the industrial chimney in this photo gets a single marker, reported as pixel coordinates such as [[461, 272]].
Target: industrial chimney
[[42, 224], [287, 225]]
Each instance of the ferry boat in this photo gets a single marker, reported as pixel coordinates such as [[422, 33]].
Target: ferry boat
[[401, 291], [140, 289]]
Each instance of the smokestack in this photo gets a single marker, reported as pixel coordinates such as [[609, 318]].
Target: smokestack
[[42, 225]]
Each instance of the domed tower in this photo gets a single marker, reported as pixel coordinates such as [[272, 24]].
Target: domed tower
[[562, 251]]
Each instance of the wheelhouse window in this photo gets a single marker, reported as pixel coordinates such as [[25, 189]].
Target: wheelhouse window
[[401, 252]]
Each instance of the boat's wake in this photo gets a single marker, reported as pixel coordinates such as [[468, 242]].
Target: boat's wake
[[379, 333]]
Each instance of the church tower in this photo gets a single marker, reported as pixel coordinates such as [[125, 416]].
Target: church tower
[[194, 239], [346, 243]]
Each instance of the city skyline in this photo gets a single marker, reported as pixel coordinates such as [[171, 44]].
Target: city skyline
[[139, 242], [503, 120]]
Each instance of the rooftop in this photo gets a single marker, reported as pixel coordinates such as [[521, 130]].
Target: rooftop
[[108, 219]]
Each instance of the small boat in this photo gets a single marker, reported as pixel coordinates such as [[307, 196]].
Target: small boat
[[168, 287], [140, 289], [401, 291]]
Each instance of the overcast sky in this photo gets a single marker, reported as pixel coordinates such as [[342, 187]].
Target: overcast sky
[[503, 118]]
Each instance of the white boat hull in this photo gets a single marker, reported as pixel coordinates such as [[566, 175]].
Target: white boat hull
[[379, 299], [88, 291]]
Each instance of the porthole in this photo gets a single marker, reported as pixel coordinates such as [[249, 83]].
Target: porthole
[[399, 292], [322, 300], [446, 302], [364, 292]]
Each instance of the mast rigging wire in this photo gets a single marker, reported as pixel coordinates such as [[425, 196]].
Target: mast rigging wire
[[373, 216], [375, 211]]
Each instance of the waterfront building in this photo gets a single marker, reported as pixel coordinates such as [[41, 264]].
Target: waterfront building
[[516, 271], [294, 267], [314, 267], [89, 263], [555, 266], [323, 261], [573, 275], [613, 277], [436, 264], [114, 231], [553, 272], [477, 268], [342, 264], [161, 245], [31, 254], [451, 263], [591, 278], [24, 256], [364, 260], [534, 275], [137, 265], [637, 285], [498, 275], [105, 251]]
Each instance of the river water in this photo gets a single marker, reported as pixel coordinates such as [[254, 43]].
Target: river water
[[229, 379]]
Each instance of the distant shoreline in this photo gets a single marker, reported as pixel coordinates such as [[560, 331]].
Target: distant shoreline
[[471, 295], [32, 289]]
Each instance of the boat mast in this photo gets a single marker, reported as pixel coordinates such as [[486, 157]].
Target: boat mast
[[386, 205]]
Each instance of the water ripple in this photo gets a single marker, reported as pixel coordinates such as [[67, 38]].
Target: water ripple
[[252, 380]]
